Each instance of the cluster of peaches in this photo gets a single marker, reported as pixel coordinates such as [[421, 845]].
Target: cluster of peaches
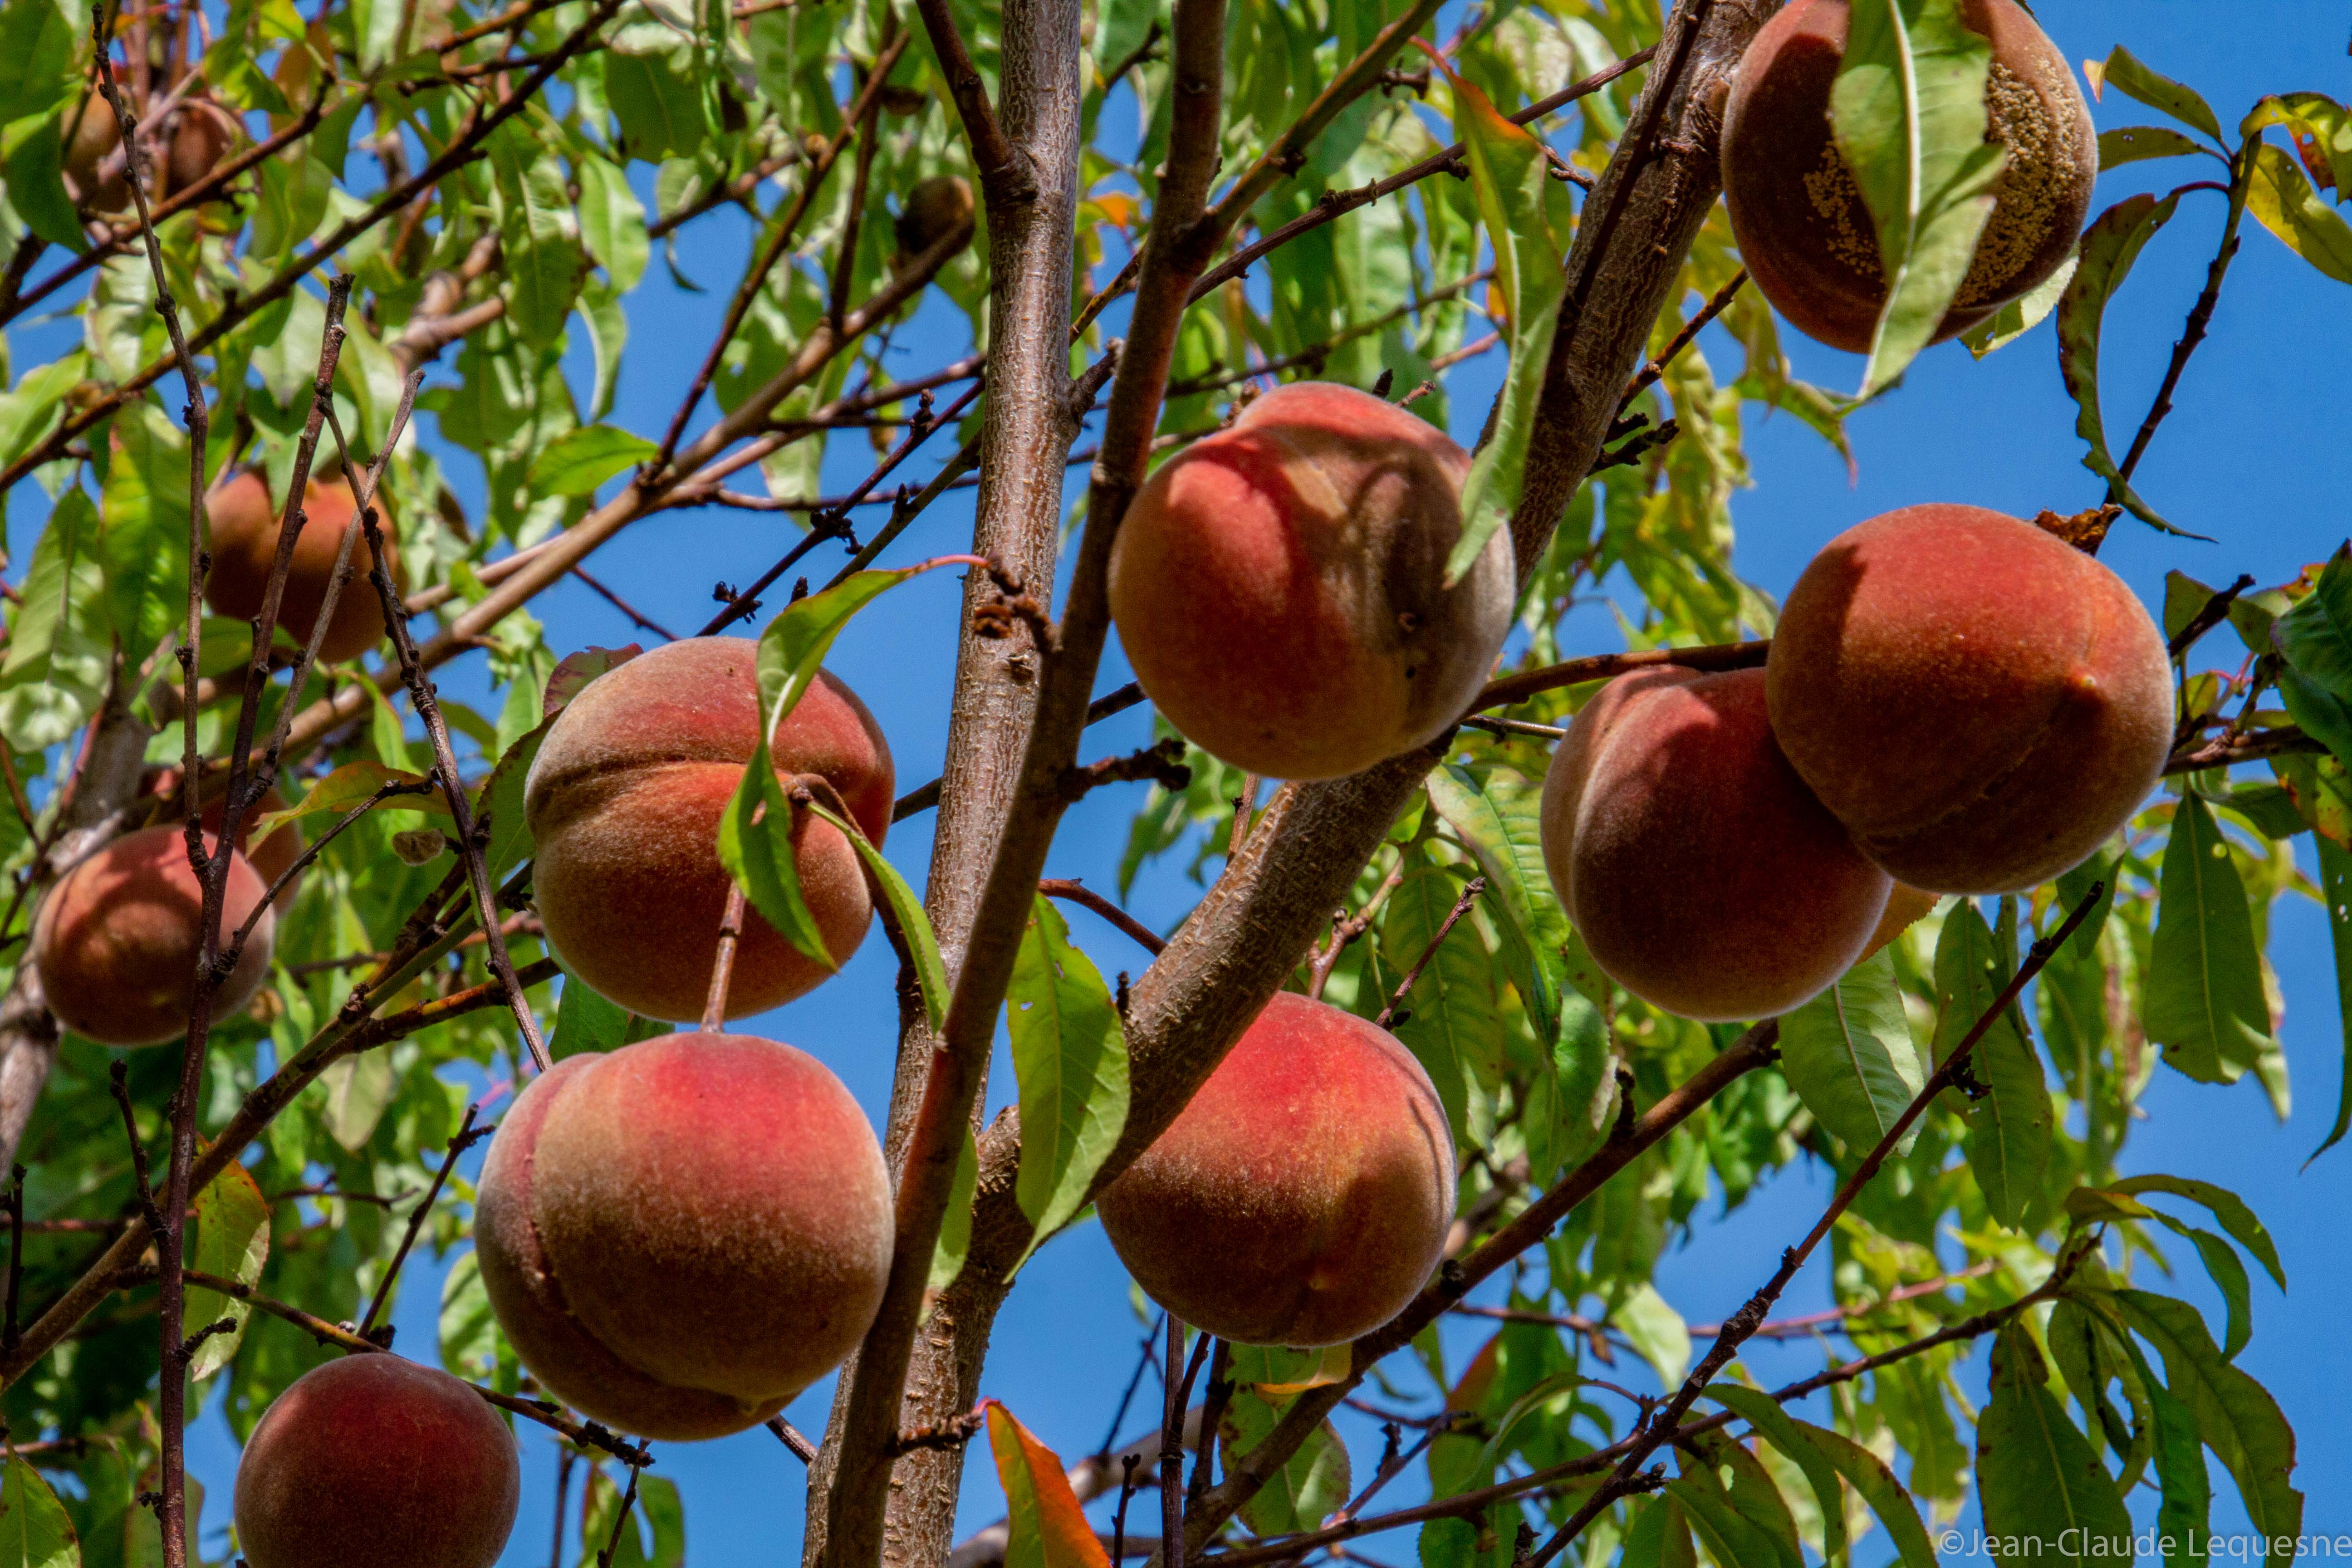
[[680, 1235]]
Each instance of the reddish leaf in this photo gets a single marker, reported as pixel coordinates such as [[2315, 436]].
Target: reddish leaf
[[1048, 1529]]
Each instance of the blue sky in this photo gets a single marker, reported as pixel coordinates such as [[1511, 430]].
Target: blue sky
[[2256, 455]]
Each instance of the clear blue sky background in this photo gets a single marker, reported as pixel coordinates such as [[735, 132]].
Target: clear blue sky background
[[2258, 454]]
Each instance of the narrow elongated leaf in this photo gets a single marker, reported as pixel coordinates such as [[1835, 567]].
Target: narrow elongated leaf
[[502, 796], [914, 922], [2020, 315], [757, 834], [2336, 891], [1728, 1537], [613, 223], [2010, 1125], [1047, 1527], [955, 1225], [2123, 71], [540, 237], [2236, 1416], [2185, 1487], [586, 1021], [1451, 1025], [2229, 1274], [345, 788], [2104, 260], [1528, 216], [1753, 1495], [1763, 1413], [1908, 114], [232, 1241], [2045, 1493], [1867, 1474], [2205, 1002], [35, 1531], [1069, 1052], [2316, 635], [1659, 1538], [2137, 143], [577, 462], [1848, 1053], [1310, 1485], [2225, 1205], [2322, 129]]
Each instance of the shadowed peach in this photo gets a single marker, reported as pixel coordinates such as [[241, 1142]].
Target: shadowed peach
[[681, 1235], [624, 801], [245, 545], [1278, 587], [1302, 1196], [374, 1461], [1982, 704], [1799, 217], [1701, 872], [117, 940]]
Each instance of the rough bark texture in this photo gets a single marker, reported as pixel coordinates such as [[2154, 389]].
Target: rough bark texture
[[107, 781], [1026, 430], [1257, 924]]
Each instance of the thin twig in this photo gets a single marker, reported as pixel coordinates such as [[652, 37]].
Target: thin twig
[[1715, 306], [466, 1137], [722, 965], [1076, 892], [2192, 333], [1476, 886]]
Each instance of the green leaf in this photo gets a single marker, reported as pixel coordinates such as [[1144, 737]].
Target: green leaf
[[345, 788], [577, 462], [1867, 1474], [540, 234], [1659, 1538], [2184, 1487], [2335, 892], [914, 922], [1908, 114], [2322, 129], [1728, 1537], [586, 1021], [2020, 315], [2316, 635], [659, 111], [1069, 1055], [1849, 1056], [613, 223], [1656, 1332], [1450, 1025], [2104, 260], [35, 180], [375, 28], [511, 841], [2137, 143], [2324, 715], [2229, 1275], [757, 844], [2280, 195], [2009, 1127], [1526, 213], [2046, 1496], [955, 1226], [1763, 1413], [2205, 1002], [233, 1243], [471, 1343], [1309, 1488], [2225, 1205], [2235, 1415], [55, 674], [1045, 1526], [2127, 75], [357, 1089], [143, 528], [1120, 27], [36, 61], [37, 404], [35, 1531], [657, 1510]]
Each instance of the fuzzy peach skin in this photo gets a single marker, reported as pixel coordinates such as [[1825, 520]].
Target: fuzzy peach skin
[[245, 545], [1982, 704], [117, 939], [1702, 873], [1802, 226], [624, 801], [1277, 587], [374, 1461], [681, 1235], [1302, 1196]]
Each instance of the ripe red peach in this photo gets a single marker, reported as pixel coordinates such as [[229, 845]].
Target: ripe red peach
[[1982, 704], [244, 544], [1303, 1195], [681, 1235], [374, 1461], [1278, 587], [1800, 220], [624, 801], [117, 940], [1703, 875]]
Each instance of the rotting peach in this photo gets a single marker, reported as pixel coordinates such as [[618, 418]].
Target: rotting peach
[[1800, 219], [1278, 587], [1303, 1195], [374, 1461], [624, 801], [1703, 875], [1982, 704], [681, 1235], [245, 546], [117, 939]]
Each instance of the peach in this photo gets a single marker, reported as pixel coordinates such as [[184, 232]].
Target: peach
[[117, 939], [934, 209], [681, 1235], [1800, 220], [244, 544], [1303, 1195], [1278, 587], [374, 1461], [1703, 876], [624, 801], [202, 135], [1982, 704]]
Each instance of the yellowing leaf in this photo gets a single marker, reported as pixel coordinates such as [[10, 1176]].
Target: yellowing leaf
[[1047, 1528]]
